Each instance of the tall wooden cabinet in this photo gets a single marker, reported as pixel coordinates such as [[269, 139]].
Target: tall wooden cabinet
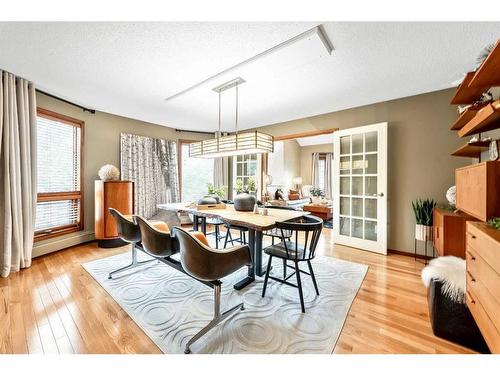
[[483, 280], [111, 194]]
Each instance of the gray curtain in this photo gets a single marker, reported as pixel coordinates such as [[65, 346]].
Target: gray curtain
[[17, 172], [328, 175], [314, 169], [221, 172], [153, 166]]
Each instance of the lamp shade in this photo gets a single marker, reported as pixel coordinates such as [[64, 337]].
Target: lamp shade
[[297, 180], [268, 179], [231, 145]]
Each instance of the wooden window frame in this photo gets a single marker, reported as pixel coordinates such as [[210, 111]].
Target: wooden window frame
[[67, 195]]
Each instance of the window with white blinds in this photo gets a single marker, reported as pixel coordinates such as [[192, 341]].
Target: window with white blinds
[[59, 160]]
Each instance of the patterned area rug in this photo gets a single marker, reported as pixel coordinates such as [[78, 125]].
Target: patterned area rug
[[171, 307]]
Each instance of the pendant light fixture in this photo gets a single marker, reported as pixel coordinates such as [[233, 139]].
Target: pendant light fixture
[[234, 144]]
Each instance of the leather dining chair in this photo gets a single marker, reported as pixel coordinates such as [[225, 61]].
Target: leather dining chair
[[300, 247], [210, 265], [129, 232]]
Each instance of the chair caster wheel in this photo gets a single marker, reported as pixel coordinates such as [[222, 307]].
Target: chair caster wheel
[[187, 351]]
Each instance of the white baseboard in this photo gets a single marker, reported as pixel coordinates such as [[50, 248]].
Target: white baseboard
[[56, 244]]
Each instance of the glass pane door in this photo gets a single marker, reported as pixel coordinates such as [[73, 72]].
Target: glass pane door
[[360, 157]]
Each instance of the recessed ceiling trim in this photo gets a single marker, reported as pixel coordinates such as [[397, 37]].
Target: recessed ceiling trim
[[318, 30]]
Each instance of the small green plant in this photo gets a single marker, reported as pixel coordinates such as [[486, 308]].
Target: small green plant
[[316, 192], [251, 184], [423, 211], [495, 222], [220, 192], [238, 185]]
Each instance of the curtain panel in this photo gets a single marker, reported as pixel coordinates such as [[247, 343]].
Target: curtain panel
[[315, 169], [153, 166], [18, 189]]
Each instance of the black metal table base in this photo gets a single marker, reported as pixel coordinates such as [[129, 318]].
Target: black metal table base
[[255, 245]]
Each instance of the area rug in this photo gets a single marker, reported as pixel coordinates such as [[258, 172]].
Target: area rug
[[171, 307]]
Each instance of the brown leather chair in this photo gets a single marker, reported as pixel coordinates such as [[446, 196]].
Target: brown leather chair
[[210, 265], [129, 232]]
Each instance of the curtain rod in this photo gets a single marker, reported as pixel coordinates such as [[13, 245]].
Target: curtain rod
[[85, 109], [193, 131]]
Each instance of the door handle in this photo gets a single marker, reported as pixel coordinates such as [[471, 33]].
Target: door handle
[[378, 195]]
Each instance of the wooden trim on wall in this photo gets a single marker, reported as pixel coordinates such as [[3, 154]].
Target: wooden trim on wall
[[311, 133]]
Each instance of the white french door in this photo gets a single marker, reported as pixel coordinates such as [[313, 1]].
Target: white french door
[[360, 187]]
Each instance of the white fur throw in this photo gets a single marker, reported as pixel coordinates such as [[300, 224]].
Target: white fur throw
[[450, 271]]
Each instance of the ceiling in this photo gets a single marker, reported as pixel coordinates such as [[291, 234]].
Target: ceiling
[[129, 69], [314, 140]]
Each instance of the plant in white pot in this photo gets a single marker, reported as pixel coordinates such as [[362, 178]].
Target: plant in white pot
[[423, 215]]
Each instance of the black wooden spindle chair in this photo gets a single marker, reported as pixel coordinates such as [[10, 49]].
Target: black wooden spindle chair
[[301, 247]]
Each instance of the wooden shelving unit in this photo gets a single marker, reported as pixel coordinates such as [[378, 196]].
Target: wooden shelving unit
[[465, 117], [487, 118], [466, 94], [488, 74], [472, 150]]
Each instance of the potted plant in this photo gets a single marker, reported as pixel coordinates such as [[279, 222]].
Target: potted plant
[[216, 193], [495, 222], [317, 195], [423, 215]]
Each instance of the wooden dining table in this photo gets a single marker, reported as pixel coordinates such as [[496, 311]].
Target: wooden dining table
[[255, 223]]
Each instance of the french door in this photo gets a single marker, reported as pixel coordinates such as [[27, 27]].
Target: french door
[[360, 187]]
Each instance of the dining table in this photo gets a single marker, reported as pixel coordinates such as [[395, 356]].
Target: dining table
[[256, 224]]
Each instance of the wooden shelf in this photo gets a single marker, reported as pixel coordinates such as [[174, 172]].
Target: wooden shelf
[[487, 118], [466, 94], [488, 74], [472, 150], [466, 116]]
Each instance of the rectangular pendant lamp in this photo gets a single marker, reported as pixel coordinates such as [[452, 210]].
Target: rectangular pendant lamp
[[245, 143], [235, 144]]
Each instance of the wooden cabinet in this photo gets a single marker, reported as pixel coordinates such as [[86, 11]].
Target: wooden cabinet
[[111, 194], [483, 280], [449, 232], [478, 187]]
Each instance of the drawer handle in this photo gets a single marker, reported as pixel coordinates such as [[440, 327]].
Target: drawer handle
[[471, 299], [473, 237], [471, 277]]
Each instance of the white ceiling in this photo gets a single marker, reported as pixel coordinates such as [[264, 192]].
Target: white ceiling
[[130, 68], [321, 139]]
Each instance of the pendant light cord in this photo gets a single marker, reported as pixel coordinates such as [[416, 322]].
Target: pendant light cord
[[219, 116], [236, 109]]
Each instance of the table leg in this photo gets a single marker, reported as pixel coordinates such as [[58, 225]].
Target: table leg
[[204, 225], [258, 254], [195, 223], [250, 278]]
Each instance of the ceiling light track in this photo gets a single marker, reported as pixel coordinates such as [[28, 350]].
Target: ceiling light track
[[317, 30]]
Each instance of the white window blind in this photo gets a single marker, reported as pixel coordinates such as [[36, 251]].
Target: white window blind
[[321, 174], [59, 175]]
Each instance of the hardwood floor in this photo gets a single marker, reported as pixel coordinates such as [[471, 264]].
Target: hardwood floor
[[56, 307]]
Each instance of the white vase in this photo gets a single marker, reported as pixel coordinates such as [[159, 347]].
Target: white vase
[[423, 232]]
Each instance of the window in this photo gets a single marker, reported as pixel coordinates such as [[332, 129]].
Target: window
[[245, 168], [196, 173], [59, 162]]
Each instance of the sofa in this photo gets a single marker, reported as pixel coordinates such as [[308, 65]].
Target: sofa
[[289, 200]]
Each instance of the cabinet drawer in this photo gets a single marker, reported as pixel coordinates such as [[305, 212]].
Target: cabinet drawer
[[485, 246], [488, 303], [482, 271], [490, 333]]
